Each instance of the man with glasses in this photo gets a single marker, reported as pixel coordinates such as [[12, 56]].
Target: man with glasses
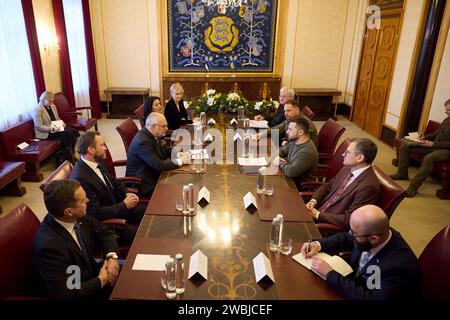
[[384, 266], [355, 185], [148, 155], [286, 94]]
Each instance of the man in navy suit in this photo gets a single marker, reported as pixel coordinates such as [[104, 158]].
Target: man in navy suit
[[384, 266], [108, 198], [64, 245], [148, 155]]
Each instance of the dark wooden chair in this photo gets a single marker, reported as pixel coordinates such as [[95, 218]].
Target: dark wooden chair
[[139, 112], [69, 114], [328, 138], [127, 131], [308, 112], [17, 277], [435, 267]]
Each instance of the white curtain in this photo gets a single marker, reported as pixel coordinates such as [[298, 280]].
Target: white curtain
[[73, 15], [17, 88]]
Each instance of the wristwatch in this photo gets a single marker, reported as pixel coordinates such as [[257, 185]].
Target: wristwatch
[[112, 255]]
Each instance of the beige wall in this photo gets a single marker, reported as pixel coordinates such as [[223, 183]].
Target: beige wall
[[321, 43], [45, 25], [404, 65], [127, 43], [442, 91]]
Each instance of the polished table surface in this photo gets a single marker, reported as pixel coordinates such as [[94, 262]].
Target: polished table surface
[[225, 232]]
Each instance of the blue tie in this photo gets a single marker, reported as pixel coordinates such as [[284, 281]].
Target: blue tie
[[84, 250]]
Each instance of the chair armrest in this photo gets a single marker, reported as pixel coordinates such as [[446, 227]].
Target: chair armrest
[[120, 163], [311, 186], [71, 113], [129, 180], [328, 229], [325, 155], [115, 222], [306, 196]]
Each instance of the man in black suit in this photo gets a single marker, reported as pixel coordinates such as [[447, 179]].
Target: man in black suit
[[148, 155], [286, 94], [64, 245], [108, 198], [384, 265]]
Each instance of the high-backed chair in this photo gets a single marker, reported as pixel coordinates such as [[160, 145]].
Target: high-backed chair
[[17, 231], [69, 114], [61, 173], [435, 267], [308, 112], [127, 131], [391, 194], [325, 172], [139, 112], [328, 138]]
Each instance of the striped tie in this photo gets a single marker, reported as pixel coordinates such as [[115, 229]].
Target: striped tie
[[334, 196]]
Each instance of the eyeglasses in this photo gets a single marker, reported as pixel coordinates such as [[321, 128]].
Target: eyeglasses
[[162, 126], [352, 233], [348, 152]]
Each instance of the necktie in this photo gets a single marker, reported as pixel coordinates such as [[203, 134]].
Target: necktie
[[84, 249], [105, 177], [334, 196], [363, 260]]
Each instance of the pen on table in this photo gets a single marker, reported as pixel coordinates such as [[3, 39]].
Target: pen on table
[[309, 245]]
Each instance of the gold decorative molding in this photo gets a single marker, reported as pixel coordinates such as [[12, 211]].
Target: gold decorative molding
[[265, 92]]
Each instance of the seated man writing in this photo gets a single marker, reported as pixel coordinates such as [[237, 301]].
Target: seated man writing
[[384, 266]]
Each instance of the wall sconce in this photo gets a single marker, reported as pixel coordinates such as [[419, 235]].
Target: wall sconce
[[48, 41]]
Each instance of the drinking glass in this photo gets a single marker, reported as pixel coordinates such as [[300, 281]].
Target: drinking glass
[[286, 246]]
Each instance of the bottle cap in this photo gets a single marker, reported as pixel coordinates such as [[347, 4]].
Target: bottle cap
[[279, 216], [190, 185], [170, 261], [179, 256], [185, 188]]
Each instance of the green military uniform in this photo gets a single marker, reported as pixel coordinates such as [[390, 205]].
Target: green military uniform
[[439, 152]]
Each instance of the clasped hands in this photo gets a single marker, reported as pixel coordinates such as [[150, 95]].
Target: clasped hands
[[310, 206], [109, 272], [131, 200]]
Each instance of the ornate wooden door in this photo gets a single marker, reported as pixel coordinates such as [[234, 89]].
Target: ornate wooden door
[[375, 74]]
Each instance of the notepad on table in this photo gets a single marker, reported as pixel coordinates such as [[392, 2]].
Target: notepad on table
[[337, 263]]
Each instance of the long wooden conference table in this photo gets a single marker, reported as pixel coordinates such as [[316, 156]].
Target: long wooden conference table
[[229, 235]]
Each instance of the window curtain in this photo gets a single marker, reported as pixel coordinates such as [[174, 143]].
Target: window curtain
[[33, 44], [73, 14], [17, 85], [64, 57], [93, 84]]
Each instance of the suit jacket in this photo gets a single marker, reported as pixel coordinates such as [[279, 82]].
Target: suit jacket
[[42, 121], [146, 159], [278, 117], [175, 118], [102, 203], [365, 189], [54, 250], [398, 265]]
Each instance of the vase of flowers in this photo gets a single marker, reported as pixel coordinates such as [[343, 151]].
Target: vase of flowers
[[209, 102], [232, 101], [265, 107]]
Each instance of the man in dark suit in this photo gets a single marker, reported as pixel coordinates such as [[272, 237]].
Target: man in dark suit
[[354, 186], [148, 155], [384, 266], [64, 245], [108, 198], [286, 94]]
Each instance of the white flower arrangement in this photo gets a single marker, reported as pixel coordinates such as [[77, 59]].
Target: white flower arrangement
[[210, 92], [233, 96]]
